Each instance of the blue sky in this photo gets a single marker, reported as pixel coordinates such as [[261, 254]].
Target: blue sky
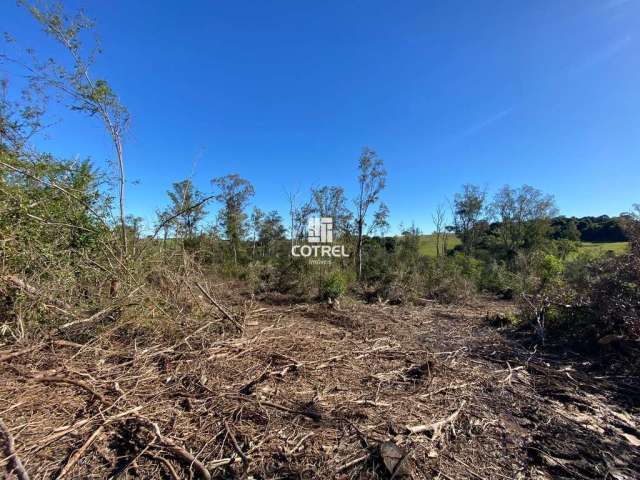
[[286, 93]]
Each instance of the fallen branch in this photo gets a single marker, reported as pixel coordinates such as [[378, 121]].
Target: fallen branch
[[77, 455], [182, 454], [32, 291], [8, 449], [70, 381], [436, 427], [167, 465], [299, 444], [312, 415], [236, 447], [101, 313], [4, 356], [352, 463], [93, 317], [66, 430], [226, 314]]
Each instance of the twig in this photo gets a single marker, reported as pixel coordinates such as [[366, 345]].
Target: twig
[[15, 465], [352, 463], [102, 312], [236, 447]]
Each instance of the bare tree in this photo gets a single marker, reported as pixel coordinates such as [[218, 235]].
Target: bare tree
[[164, 224], [371, 181], [439, 221], [299, 215]]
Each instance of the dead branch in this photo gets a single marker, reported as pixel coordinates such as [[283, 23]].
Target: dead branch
[[66, 430], [8, 449], [352, 463], [182, 454], [236, 447], [77, 455], [101, 313], [219, 307], [9, 355], [436, 427], [71, 381], [299, 444], [166, 463], [93, 317], [32, 291]]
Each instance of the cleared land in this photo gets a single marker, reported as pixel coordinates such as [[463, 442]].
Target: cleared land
[[315, 392]]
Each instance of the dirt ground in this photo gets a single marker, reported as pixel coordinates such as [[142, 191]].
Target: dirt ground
[[312, 391]]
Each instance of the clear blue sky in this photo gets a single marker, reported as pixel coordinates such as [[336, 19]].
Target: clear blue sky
[[286, 93]]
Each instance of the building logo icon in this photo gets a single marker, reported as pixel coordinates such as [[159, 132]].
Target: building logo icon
[[319, 236], [320, 230]]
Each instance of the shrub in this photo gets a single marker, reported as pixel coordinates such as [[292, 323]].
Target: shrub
[[496, 278], [334, 285]]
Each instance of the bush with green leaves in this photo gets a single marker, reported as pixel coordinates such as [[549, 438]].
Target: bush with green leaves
[[333, 286]]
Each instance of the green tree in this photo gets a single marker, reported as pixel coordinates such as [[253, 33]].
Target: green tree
[[271, 232], [84, 93], [187, 208], [523, 216], [468, 211], [371, 181], [330, 201], [255, 224], [571, 231], [234, 193]]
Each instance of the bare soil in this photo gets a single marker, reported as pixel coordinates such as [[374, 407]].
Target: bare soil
[[319, 391]]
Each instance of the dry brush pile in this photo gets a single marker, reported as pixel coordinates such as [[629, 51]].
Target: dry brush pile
[[251, 389]]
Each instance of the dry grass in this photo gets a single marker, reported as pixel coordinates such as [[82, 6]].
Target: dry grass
[[302, 391]]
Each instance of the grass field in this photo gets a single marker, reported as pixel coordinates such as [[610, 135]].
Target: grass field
[[604, 247], [428, 246]]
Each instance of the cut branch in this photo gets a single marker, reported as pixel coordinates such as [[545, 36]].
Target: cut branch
[[15, 465]]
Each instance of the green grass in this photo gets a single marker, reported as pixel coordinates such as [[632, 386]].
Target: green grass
[[428, 244], [604, 247]]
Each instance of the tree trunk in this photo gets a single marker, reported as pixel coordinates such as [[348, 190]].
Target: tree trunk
[[121, 193], [360, 262]]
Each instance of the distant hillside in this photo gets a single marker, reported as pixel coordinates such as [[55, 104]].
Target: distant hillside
[[428, 244]]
